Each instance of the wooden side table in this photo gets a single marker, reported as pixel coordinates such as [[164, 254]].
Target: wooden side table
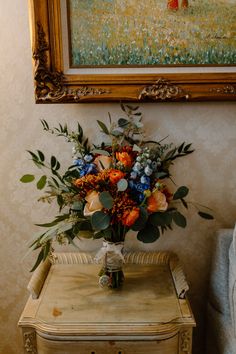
[[68, 312]]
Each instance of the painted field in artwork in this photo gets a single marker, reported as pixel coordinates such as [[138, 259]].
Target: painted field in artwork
[[138, 33]]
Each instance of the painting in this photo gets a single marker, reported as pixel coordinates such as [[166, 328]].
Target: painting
[[133, 51], [154, 32]]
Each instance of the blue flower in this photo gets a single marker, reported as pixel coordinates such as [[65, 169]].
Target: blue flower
[[137, 190], [88, 158], [79, 162], [133, 175], [141, 187], [145, 180], [148, 171], [137, 167], [88, 168]]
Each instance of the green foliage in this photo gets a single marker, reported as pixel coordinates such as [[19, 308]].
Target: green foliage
[[161, 218], [148, 234], [205, 215], [100, 220], [42, 182], [70, 197], [122, 185], [106, 199], [181, 193], [103, 127], [141, 221], [179, 219], [27, 178]]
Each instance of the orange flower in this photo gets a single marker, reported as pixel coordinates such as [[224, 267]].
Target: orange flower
[[157, 202], [115, 175], [124, 158], [130, 217]]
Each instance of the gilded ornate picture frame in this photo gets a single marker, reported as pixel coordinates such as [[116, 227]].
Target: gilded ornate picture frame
[[131, 61]]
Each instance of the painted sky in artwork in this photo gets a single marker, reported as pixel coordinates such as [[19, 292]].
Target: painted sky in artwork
[[139, 33]]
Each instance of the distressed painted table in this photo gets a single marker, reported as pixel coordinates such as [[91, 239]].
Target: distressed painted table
[[68, 313]]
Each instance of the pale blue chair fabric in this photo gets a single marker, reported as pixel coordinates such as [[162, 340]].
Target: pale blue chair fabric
[[221, 308]]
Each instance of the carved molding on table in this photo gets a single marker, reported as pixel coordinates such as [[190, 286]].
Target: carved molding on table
[[185, 342], [30, 342], [37, 280]]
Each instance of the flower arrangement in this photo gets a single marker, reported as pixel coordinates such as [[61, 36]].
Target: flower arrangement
[[111, 188]]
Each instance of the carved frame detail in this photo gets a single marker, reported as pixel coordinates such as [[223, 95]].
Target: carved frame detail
[[49, 86], [54, 85]]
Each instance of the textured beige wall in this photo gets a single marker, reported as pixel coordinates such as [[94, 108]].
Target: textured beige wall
[[210, 172]]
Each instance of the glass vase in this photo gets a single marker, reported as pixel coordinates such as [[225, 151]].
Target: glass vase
[[111, 274]]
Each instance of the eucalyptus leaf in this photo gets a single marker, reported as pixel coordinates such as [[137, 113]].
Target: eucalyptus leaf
[[27, 178], [100, 220], [77, 206], [122, 122], [42, 182], [38, 261], [57, 166], [53, 162], [160, 218], [136, 148], [100, 152], [86, 234], [41, 155], [132, 108], [161, 175], [117, 132], [149, 234], [185, 204], [181, 193], [106, 199], [180, 148], [48, 224], [205, 215], [46, 250], [103, 127], [141, 221], [122, 185], [179, 219], [98, 235], [33, 155], [60, 200]]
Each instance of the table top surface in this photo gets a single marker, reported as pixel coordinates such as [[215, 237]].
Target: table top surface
[[67, 300], [72, 295]]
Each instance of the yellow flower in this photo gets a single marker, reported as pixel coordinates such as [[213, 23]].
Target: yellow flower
[[93, 203], [157, 202]]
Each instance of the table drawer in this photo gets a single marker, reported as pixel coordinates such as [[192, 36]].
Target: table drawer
[[167, 346]]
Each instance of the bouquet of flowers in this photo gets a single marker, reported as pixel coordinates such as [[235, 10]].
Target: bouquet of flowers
[[111, 188]]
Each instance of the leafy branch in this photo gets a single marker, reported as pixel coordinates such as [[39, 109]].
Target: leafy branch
[[76, 137]]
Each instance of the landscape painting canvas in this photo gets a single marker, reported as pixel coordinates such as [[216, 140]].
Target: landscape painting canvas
[[134, 33]]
